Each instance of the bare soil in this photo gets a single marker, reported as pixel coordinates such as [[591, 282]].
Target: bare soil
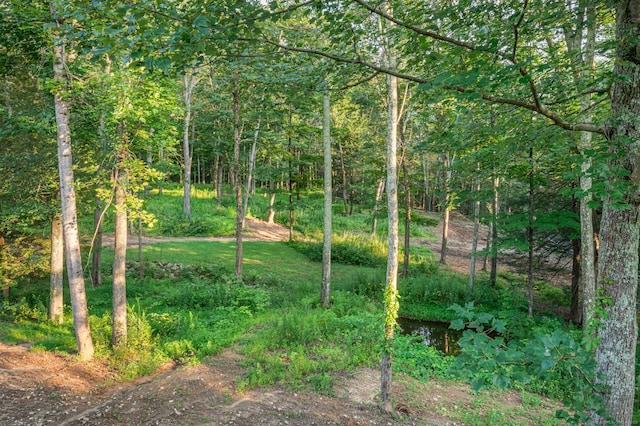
[[41, 388]]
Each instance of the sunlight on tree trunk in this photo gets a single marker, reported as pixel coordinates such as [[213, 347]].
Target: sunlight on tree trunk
[[476, 226], [190, 81], [119, 319], [56, 301], [68, 200]]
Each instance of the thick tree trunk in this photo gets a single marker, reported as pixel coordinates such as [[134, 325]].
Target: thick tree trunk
[[56, 301], [236, 176], [272, 199], [68, 201], [619, 232], [325, 294], [391, 293], [119, 316]]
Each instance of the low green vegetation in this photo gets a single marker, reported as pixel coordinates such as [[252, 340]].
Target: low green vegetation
[[189, 306]]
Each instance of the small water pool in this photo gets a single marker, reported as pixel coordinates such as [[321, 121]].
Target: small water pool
[[433, 333]]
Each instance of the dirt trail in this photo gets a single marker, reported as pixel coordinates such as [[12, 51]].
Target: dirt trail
[[257, 230]]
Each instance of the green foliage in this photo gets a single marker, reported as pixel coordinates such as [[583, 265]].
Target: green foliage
[[553, 362], [441, 288], [413, 358], [348, 249]]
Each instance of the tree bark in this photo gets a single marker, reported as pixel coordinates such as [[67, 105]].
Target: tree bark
[[530, 236], [56, 301], [345, 181], [252, 162], [236, 176], [325, 294], [447, 209], [474, 240], [190, 82], [374, 213], [619, 231], [119, 316], [407, 216], [495, 206], [391, 293], [96, 246], [68, 202]]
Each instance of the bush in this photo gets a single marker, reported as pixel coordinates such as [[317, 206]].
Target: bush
[[348, 249]]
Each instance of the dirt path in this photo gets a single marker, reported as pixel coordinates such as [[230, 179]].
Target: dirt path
[[459, 243], [257, 230], [38, 388]]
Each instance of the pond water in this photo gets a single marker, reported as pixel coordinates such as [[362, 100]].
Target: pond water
[[432, 333]]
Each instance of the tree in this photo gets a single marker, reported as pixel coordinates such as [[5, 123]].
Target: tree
[[68, 197], [56, 301]]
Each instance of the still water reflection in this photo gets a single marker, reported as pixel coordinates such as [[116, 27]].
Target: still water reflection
[[432, 333]]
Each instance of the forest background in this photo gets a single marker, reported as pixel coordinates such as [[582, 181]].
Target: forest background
[[520, 114]]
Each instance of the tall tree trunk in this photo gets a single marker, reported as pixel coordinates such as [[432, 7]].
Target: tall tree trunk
[[272, 199], [119, 316], [56, 301], [474, 240], [376, 207], [252, 162], [495, 206], [391, 304], [345, 181], [96, 246], [236, 178], [68, 201], [575, 313], [427, 196], [218, 182], [325, 294], [407, 216], [619, 231], [530, 236], [448, 163], [190, 82]]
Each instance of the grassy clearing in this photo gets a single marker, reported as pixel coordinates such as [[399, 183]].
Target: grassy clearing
[[272, 317]]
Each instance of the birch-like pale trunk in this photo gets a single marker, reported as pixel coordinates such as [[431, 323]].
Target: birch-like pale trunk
[[68, 202], [119, 302], [56, 300], [391, 304], [325, 294]]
